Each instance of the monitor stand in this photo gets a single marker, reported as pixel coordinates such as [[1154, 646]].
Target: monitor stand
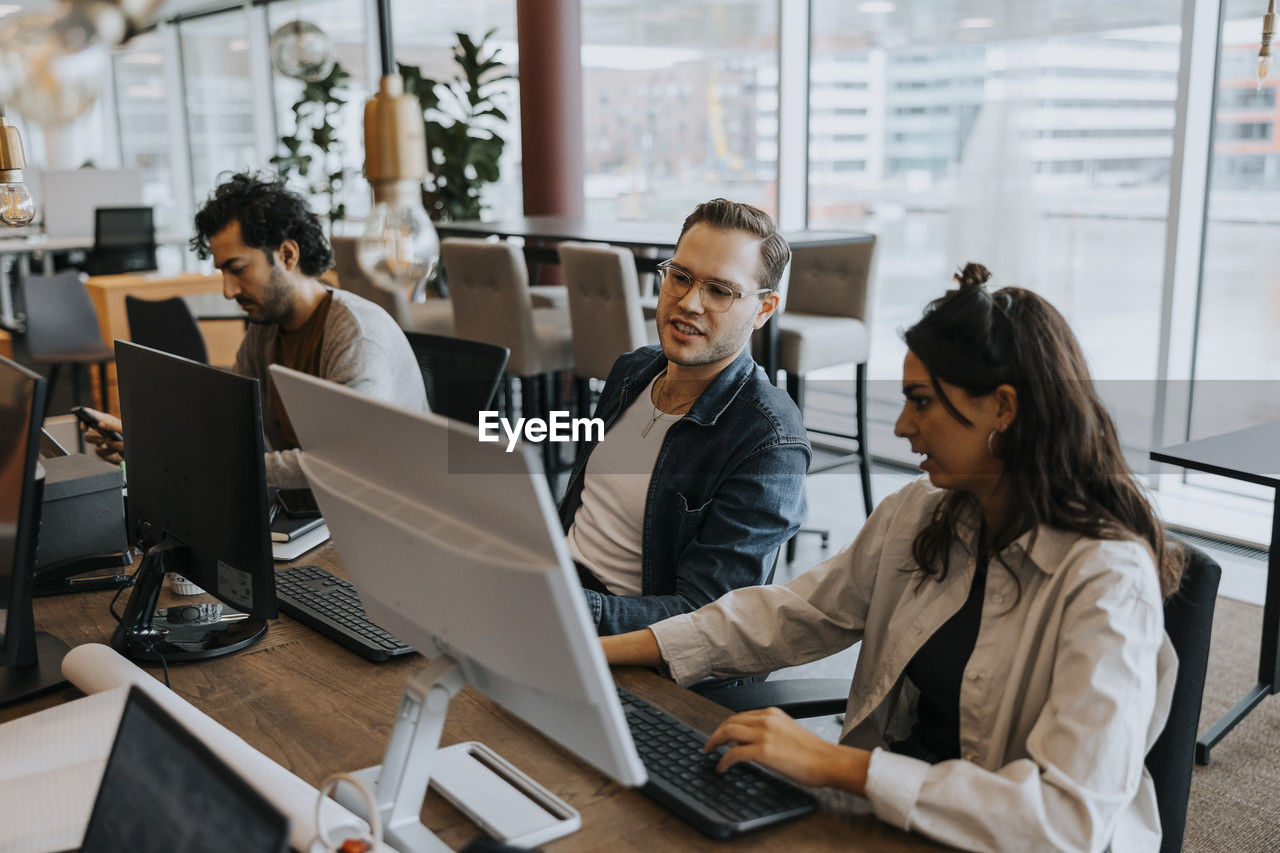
[[504, 802], [21, 682], [181, 633]]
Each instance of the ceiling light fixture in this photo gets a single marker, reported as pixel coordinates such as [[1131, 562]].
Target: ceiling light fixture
[[399, 246], [1264, 52], [17, 207]]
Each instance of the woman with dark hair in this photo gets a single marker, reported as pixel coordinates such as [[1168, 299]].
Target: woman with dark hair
[[1014, 669]]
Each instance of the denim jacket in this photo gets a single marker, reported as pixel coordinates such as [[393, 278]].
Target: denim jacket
[[726, 491]]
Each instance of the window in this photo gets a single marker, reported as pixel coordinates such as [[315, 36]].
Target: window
[[142, 115], [1040, 148], [219, 98], [1237, 359], [718, 138]]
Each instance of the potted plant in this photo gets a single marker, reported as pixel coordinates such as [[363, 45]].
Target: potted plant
[[314, 151], [463, 123]]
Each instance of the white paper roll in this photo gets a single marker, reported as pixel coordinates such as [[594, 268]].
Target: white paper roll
[[94, 668]]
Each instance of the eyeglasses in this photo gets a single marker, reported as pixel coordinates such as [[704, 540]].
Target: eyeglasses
[[717, 295]]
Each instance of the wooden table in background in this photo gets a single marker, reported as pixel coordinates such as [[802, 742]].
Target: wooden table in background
[[222, 336], [315, 708]]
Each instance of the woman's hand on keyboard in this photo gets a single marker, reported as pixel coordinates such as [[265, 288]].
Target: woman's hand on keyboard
[[771, 738]]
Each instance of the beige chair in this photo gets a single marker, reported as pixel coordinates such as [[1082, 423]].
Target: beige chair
[[489, 288], [826, 324], [433, 317], [604, 306]]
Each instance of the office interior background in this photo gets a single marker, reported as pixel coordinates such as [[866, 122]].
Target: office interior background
[[1119, 157]]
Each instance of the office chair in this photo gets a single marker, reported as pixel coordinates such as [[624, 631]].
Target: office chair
[[166, 325], [62, 329], [604, 310], [826, 324], [492, 302], [461, 376], [124, 241], [1188, 620]]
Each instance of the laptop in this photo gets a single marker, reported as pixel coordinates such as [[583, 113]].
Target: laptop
[[164, 791]]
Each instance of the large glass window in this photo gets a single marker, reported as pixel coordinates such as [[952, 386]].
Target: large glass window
[[219, 98], [1037, 143], [343, 22], [424, 36], [144, 125], [681, 105], [1237, 357]]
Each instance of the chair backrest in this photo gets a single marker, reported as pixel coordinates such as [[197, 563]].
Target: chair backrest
[[166, 325], [1188, 620], [60, 316], [832, 280], [604, 305], [124, 240], [353, 278], [489, 286], [461, 376]]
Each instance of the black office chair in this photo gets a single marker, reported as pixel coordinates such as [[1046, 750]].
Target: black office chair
[[166, 325], [124, 241], [62, 329], [1188, 620], [461, 376]]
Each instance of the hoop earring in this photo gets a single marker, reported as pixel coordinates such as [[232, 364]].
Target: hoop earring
[[991, 441]]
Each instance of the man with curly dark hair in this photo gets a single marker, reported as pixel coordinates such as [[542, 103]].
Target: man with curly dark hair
[[271, 249]]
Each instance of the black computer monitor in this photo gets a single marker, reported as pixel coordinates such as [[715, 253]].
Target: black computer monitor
[[30, 662], [124, 240], [197, 504]]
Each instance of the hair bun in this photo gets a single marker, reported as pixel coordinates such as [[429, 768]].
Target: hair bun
[[973, 275]]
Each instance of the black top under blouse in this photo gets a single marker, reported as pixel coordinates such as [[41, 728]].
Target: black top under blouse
[[937, 670]]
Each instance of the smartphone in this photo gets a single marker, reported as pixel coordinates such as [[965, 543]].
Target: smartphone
[[298, 503], [82, 414]]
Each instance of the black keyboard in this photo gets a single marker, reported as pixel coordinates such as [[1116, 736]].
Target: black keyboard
[[329, 604], [684, 780]]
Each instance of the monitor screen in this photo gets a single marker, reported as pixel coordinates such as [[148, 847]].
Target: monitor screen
[[21, 399], [163, 790], [123, 227]]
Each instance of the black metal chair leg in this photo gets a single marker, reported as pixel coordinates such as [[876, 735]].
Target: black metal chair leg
[[53, 387]]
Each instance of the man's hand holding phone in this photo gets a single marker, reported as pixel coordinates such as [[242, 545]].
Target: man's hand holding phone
[[103, 431]]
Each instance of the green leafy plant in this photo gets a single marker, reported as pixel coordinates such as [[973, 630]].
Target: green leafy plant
[[314, 152], [462, 123]]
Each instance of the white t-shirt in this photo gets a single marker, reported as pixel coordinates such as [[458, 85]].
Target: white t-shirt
[[606, 534]]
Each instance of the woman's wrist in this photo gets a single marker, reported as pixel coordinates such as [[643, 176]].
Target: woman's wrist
[[847, 769]]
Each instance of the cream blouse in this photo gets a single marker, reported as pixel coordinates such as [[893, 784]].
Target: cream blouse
[[1067, 688]]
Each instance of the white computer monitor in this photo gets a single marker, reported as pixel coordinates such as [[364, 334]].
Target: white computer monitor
[[455, 548]]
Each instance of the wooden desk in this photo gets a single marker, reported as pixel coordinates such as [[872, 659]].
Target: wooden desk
[[6, 344], [316, 708], [222, 337]]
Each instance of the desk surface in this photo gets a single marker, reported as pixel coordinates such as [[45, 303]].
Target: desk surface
[[636, 234], [1252, 454], [315, 708]]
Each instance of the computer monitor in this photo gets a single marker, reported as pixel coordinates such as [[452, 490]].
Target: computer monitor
[[30, 662], [124, 241], [197, 504], [455, 548]]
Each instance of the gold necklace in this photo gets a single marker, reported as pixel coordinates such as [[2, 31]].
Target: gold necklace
[[657, 413]]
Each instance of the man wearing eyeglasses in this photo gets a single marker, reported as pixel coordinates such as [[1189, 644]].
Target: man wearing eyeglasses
[[700, 476]]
